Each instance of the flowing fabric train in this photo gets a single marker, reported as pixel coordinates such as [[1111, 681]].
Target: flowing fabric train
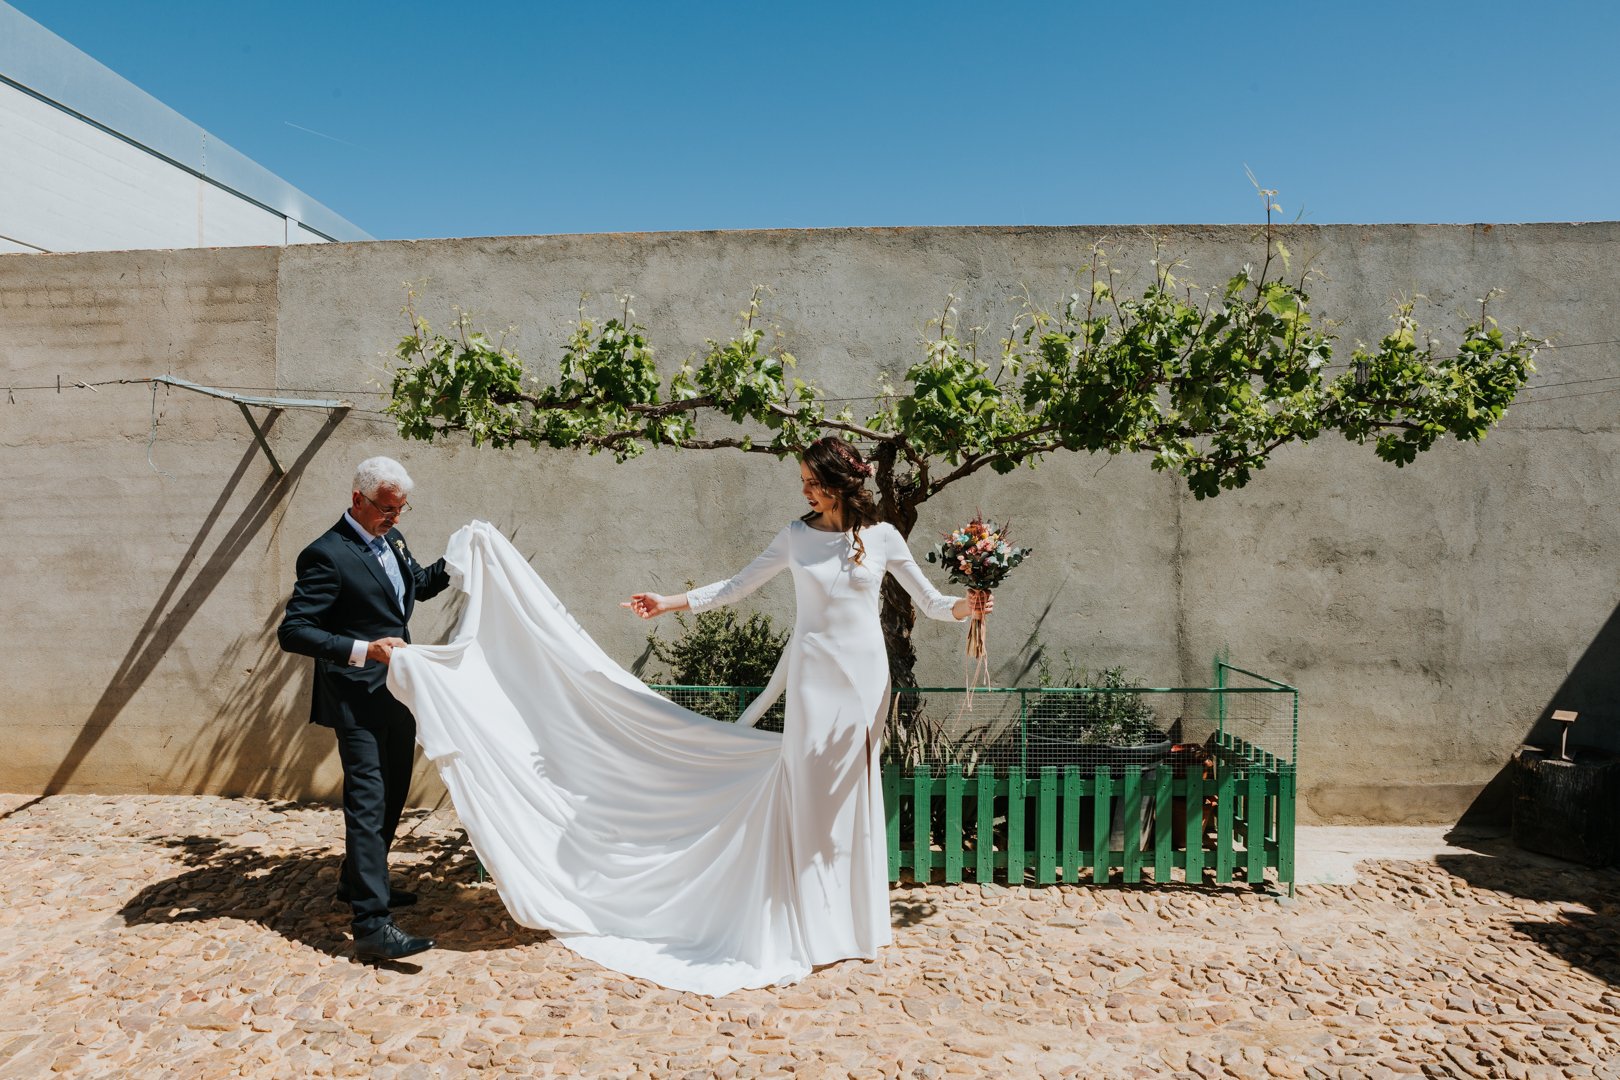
[[703, 856]]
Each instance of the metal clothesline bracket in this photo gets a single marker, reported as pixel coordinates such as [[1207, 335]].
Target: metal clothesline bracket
[[273, 404]]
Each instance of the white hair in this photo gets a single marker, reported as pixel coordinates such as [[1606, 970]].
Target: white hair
[[377, 472]]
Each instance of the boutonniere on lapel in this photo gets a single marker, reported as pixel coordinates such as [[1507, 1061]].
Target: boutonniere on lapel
[[399, 546]]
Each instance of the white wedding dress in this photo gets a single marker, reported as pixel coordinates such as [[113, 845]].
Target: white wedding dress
[[701, 855]]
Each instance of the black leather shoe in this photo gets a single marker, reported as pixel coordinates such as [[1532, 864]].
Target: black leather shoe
[[397, 898], [389, 942]]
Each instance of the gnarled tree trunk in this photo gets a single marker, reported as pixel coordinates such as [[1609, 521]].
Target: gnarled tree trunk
[[898, 499]]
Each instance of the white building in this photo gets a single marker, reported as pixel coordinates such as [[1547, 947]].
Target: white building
[[90, 162]]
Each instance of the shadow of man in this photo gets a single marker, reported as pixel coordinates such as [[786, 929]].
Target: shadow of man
[[291, 894]]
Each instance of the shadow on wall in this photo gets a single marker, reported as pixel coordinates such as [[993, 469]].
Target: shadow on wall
[[176, 606], [261, 743], [1018, 667], [1592, 689]]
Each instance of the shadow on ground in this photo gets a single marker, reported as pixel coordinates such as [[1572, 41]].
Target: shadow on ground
[[1590, 939], [290, 893], [909, 910]]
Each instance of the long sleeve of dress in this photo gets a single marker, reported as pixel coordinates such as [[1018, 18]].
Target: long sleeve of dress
[[772, 561], [929, 600]]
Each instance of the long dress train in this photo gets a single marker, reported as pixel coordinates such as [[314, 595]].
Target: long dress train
[[701, 855]]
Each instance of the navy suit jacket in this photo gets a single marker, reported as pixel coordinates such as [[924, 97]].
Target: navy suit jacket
[[342, 595]]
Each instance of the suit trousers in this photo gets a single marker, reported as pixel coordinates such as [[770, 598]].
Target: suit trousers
[[377, 746]]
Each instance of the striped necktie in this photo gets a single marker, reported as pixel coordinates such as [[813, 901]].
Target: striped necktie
[[390, 567]]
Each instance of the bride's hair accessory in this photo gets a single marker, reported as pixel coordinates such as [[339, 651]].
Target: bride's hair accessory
[[852, 456], [840, 452], [838, 468]]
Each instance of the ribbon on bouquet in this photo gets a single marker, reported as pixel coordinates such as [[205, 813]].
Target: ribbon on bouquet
[[976, 661], [980, 668]]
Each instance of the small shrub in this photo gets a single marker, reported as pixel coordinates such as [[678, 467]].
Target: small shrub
[[717, 648], [1111, 717]]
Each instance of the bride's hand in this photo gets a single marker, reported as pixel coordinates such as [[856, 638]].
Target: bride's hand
[[978, 603], [649, 605]]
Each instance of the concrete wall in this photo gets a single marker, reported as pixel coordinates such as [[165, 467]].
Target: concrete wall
[[1431, 615]]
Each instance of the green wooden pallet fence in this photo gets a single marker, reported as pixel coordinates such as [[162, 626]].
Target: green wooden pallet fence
[[1001, 825]]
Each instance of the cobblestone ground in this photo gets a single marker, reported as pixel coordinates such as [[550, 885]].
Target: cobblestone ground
[[194, 937]]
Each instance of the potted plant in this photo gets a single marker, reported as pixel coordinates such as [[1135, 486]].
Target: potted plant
[[1095, 718]]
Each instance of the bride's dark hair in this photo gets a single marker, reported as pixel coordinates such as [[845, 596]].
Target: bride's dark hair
[[838, 468]]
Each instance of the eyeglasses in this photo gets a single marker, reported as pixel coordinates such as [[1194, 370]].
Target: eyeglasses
[[395, 511]]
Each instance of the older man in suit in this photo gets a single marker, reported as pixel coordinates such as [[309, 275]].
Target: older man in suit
[[357, 584]]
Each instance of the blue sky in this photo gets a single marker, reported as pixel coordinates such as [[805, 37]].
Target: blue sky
[[417, 119]]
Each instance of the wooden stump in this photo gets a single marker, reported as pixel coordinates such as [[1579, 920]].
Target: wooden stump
[[1568, 809]]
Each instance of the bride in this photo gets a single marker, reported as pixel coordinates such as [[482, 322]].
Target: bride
[[701, 855]]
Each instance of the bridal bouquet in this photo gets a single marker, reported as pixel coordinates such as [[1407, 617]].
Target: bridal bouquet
[[978, 555]]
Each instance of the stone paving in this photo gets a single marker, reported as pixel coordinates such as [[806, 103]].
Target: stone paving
[[194, 937]]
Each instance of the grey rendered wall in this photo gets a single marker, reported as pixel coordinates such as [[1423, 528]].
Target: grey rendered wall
[[1431, 615]]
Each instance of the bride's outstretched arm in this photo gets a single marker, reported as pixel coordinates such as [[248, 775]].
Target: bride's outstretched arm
[[771, 562], [929, 600]]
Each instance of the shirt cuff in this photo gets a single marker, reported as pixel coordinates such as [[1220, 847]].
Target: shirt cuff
[[357, 653]]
